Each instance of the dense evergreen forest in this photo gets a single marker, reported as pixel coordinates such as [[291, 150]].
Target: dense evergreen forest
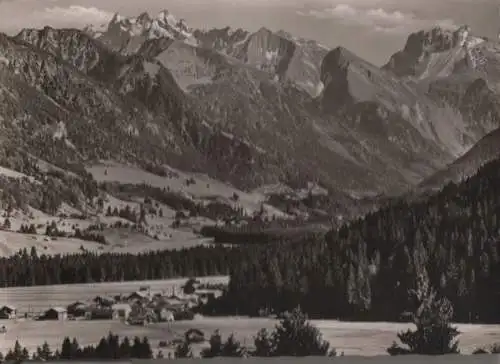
[[30, 269], [365, 270]]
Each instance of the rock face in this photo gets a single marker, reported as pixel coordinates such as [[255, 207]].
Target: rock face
[[434, 53], [279, 54]]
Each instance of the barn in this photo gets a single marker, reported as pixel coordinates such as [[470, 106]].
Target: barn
[[55, 313], [104, 301], [77, 309]]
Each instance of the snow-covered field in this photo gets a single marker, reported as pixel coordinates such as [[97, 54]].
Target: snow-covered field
[[366, 339]]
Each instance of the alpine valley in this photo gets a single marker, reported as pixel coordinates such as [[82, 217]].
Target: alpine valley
[[146, 134]]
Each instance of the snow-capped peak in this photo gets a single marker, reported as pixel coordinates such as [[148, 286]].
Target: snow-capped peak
[[117, 18], [166, 17], [163, 24]]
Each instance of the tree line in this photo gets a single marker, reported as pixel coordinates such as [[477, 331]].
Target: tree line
[[109, 347], [31, 268]]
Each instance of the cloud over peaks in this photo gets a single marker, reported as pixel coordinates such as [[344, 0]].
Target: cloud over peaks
[[73, 16], [377, 19]]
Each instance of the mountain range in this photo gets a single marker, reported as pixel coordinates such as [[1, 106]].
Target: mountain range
[[256, 111]]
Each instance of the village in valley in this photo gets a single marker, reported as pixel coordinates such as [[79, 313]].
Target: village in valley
[[142, 307]]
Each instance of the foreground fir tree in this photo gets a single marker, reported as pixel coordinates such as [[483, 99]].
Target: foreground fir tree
[[18, 354], [263, 344], [229, 348], [233, 348], [293, 336], [215, 348], [434, 334], [183, 350], [44, 352]]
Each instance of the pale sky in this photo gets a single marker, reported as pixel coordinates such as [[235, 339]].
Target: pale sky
[[373, 29]]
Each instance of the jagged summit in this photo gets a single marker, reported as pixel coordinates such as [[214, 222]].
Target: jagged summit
[[437, 52], [127, 34], [342, 56]]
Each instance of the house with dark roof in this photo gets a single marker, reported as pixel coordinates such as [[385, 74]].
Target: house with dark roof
[[55, 313], [77, 309], [139, 296], [104, 301], [8, 312]]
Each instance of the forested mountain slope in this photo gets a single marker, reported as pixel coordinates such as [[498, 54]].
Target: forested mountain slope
[[366, 269]]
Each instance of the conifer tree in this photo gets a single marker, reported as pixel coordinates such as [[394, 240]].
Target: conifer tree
[[263, 344], [66, 349], [215, 348], [45, 353], [125, 348], [295, 336], [183, 350], [434, 334]]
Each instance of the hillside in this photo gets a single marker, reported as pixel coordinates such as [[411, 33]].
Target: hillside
[[451, 239], [484, 151]]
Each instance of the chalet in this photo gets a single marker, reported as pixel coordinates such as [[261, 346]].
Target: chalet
[[99, 313], [142, 314], [121, 311], [138, 296], [194, 336], [104, 301], [77, 309], [55, 313], [8, 312], [205, 295]]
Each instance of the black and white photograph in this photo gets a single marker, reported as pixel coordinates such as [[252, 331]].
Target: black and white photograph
[[258, 179]]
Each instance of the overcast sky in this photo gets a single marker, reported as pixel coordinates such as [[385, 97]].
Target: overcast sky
[[373, 29]]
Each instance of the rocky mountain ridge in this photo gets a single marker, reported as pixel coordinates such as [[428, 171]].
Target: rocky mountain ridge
[[277, 53], [247, 109]]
